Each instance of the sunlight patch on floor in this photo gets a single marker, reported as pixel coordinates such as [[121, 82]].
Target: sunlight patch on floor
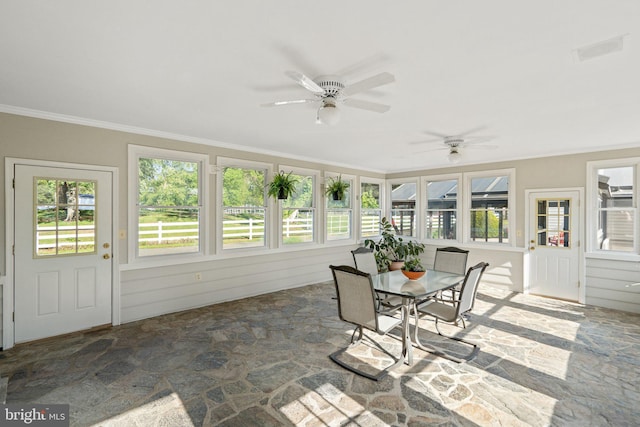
[[326, 405], [167, 409]]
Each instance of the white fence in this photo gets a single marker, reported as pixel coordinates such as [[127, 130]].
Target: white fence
[[66, 236], [163, 232], [167, 231]]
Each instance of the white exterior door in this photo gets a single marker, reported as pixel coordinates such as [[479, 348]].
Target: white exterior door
[[62, 261], [554, 248]]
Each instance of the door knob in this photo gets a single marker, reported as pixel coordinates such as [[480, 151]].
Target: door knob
[[106, 256], [532, 248]]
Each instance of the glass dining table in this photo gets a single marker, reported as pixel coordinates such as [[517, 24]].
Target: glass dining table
[[395, 283]]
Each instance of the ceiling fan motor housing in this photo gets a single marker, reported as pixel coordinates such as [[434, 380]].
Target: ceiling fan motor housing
[[332, 86], [453, 141]]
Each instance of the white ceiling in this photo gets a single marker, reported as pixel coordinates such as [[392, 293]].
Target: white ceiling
[[199, 70]]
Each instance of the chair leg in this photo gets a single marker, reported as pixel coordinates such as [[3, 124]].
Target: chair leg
[[375, 377], [474, 351], [360, 330]]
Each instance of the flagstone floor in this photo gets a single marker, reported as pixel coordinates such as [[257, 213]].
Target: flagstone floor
[[262, 361]]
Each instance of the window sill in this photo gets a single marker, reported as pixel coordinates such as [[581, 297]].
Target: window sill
[[229, 254]]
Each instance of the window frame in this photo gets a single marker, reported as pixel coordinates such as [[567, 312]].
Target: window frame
[[221, 163], [467, 177], [318, 223], [352, 209], [458, 211], [382, 188], [135, 152], [416, 207], [593, 210]]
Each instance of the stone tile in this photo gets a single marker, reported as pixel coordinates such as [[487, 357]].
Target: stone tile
[[264, 361]]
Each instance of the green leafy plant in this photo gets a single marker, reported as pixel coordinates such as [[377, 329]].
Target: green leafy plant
[[337, 188], [392, 248], [413, 264], [282, 186]]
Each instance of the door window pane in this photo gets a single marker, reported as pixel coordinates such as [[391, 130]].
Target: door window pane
[[64, 217], [553, 220]]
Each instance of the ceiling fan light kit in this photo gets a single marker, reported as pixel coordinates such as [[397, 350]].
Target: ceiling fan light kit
[[454, 156], [328, 114]]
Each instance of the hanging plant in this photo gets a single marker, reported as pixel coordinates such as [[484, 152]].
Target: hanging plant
[[282, 186], [337, 188]]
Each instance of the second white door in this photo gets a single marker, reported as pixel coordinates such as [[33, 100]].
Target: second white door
[[554, 251]]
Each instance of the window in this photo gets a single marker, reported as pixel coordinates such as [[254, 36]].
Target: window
[[168, 200], [339, 210], [403, 208], [370, 208], [489, 198], [614, 213], [65, 220], [553, 219], [441, 217], [299, 212], [244, 207]]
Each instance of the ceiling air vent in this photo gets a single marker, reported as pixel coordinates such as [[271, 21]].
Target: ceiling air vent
[[601, 48]]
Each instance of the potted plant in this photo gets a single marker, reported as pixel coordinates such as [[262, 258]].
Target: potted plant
[[282, 186], [413, 269], [391, 251], [337, 187]]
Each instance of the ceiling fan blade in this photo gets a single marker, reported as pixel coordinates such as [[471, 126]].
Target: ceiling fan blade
[[367, 105], [439, 135], [473, 130], [305, 82], [473, 140], [296, 101], [480, 147], [428, 141], [432, 149], [370, 83]]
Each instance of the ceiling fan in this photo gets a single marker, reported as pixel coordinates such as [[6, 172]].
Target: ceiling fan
[[454, 143], [331, 91]]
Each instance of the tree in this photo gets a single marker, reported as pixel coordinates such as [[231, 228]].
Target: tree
[[167, 183], [243, 187], [369, 201], [303, 197], [485, 224]]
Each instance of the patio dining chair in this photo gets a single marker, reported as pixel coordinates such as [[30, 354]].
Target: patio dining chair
[[365, 260], [443, 311], [357, 305], [451, 260]]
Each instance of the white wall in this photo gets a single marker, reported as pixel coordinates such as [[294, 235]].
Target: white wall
[[505, 266], [148, 292], [608, 284]]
